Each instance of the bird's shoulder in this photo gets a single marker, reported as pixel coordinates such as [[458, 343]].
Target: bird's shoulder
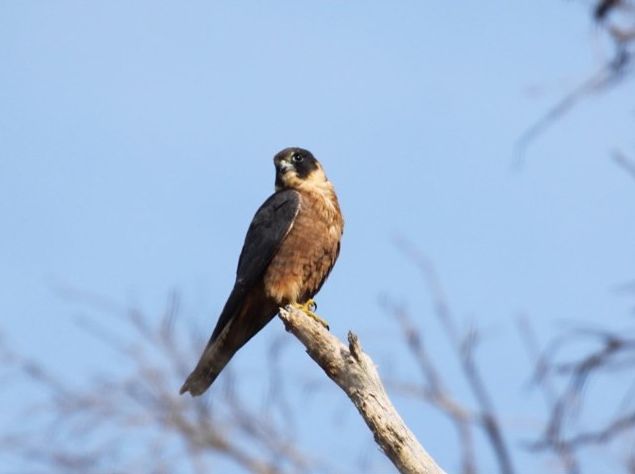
[[282, 205]]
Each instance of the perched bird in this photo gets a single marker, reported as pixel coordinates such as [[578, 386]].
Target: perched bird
[[291, 246]]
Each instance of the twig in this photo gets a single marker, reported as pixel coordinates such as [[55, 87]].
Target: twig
[[102, 414], [614, 353], [619, 66], [622, 160], [542, 378], [355, 373], [603, 8], [606, 76], [464, 347], [435, 390]]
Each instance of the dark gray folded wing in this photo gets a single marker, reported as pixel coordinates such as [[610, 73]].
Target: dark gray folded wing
[[267, 231]]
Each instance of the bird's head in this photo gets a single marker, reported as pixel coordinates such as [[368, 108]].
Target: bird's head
[[297, 167]]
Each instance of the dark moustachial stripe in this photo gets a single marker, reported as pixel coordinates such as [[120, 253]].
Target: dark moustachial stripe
[[279, 183]]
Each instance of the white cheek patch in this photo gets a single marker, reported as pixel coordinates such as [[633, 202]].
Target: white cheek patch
[[285, 166]]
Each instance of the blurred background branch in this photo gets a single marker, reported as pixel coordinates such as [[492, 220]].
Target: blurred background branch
[[616, 19], [89, 426]]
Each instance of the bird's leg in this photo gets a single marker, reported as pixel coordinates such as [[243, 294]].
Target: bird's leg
[[308, 308]]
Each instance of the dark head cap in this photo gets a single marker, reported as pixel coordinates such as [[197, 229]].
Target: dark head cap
[[294, 166]]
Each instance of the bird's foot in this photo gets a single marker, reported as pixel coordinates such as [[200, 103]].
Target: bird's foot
[[308, 308]]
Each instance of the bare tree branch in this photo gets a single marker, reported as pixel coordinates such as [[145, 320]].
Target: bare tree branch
[[608, 75], [603, 8], [542, 378], [104, 415], [355, 373], [435, 391], [614, 351], [627, 164], [621, 33], [464, 346]]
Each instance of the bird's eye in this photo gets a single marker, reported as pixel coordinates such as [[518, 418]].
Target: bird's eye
[[297, 158]]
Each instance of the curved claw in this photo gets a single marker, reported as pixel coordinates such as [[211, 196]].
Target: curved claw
[[323, 322], [308, 308]]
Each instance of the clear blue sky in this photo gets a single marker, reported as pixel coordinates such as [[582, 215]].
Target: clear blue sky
[[136, 141]]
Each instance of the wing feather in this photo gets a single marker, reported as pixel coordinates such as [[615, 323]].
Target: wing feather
[[270, 225]]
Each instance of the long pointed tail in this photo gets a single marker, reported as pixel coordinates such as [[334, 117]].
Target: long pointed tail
[[214, 358], [243, 319]]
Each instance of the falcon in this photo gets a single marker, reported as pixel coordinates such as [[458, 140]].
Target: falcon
[[291, 246]]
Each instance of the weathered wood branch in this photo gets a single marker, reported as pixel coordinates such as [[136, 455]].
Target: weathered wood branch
[[356, 374]]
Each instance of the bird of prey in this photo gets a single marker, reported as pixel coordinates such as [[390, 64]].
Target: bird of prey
[[291, 246]]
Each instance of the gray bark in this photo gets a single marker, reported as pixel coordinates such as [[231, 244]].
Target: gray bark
[[356, 374]]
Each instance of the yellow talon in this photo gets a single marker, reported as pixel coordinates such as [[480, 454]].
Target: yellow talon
[[308, 308]]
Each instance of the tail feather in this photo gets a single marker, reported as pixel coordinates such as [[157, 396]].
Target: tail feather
[[245, 321], [214, 358]]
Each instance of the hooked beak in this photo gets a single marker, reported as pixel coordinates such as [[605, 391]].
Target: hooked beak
[[283, 166]]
